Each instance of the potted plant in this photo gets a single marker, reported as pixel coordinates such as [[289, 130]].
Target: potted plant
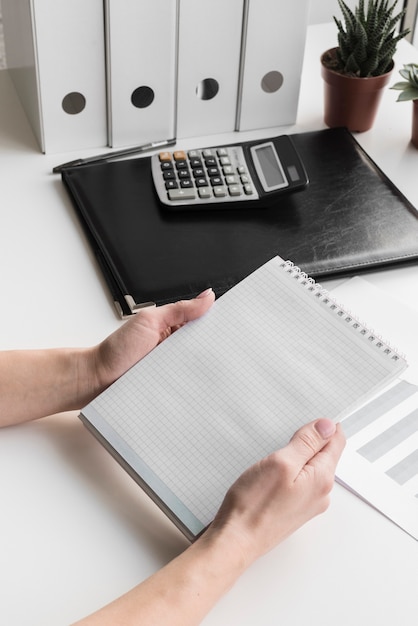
[[356, 71], [409, 91]]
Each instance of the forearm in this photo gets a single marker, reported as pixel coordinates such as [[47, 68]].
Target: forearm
[[36, 383], [183, 592], [42, 382]]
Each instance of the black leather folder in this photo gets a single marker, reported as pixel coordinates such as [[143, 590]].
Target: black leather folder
[[349, 219]]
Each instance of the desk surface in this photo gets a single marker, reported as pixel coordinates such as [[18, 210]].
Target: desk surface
[[75, 531]]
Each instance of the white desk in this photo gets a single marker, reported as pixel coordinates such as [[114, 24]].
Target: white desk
[[75, 531]]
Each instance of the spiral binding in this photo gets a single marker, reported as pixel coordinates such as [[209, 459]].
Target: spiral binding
[[324, 296]]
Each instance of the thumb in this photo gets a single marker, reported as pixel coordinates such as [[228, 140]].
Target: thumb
[[308, 441], [186, 310]]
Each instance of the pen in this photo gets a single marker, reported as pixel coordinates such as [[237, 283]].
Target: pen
[[115, 155]]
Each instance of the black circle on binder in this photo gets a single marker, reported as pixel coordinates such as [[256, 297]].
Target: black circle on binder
[[73, 103], [142, 97], [272, 81], [207, 89]]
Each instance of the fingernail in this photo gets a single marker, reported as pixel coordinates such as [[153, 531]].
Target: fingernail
[[325, 428], [205, 293]]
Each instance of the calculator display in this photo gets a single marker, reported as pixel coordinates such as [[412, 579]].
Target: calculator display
[[268, 167]]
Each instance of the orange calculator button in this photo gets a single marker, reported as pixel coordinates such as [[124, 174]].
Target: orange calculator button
[[179, 155], [165, 156]]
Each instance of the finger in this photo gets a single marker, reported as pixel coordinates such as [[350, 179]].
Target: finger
[[178, 313], [307, 442], [329, 455]]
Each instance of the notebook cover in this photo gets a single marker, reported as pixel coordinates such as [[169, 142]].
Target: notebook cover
[[349, 219]]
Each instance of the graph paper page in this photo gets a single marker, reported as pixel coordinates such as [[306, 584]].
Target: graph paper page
[[225, 390]]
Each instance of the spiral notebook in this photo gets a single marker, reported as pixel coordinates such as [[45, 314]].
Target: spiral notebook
[[273, 353]]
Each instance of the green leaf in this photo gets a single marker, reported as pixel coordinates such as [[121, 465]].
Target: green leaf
[[401, 85], [404, 73], [408, 94], [367, 36]]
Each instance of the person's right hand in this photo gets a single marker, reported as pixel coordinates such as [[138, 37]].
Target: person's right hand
[[281, 492], [269, 501]]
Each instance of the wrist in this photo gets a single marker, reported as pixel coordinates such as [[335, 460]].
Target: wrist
[[90, 379], [230, 543]]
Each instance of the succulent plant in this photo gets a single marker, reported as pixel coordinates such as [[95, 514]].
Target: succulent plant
[[409, 86], [368, 39]]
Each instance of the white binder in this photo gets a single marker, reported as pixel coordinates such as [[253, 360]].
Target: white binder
[[273, 47], [209, 59], [55, 55], [141, 38]]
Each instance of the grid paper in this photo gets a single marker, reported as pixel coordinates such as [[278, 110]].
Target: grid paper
[[225, 390]]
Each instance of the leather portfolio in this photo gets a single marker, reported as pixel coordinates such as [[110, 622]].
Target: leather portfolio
[[350, 218]]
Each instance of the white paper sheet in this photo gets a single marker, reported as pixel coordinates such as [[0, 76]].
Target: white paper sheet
[[380, 462]]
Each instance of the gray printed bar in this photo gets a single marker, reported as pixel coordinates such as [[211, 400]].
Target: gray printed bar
[[405, 469], [390, 438], [378, 407]]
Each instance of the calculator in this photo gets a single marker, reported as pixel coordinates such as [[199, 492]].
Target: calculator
[[247, 174]]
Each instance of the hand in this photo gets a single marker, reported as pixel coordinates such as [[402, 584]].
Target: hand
[[267, 503], [280, 493], [66, 379], [140, 334]]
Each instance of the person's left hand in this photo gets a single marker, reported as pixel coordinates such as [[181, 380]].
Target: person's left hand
[[140, 334]]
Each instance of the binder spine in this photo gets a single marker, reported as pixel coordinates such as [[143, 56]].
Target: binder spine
[[244, 30], [55, 56], [141, 73], [208, 87], [340, 311], [273, 42]]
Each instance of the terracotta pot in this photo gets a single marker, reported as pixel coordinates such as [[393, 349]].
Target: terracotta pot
[[349, 100], [414, 136]]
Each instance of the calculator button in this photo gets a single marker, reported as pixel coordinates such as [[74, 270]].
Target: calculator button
[[234, 190], [201, 182], [168, 175], [179, 155], [220, 192], [245, 179], [186, 183], [211, 162], [241, 169], [216, 180], [183, 173], [208, 153], [205, 193], [225, 160], [213, 171], [195, 162], [231, 180], [181, 194], [248, 189], [198, 172], [222, 152], [227, 170], [193, 154], [181, 164], [171, 184], [165, 156], [166, 165]]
